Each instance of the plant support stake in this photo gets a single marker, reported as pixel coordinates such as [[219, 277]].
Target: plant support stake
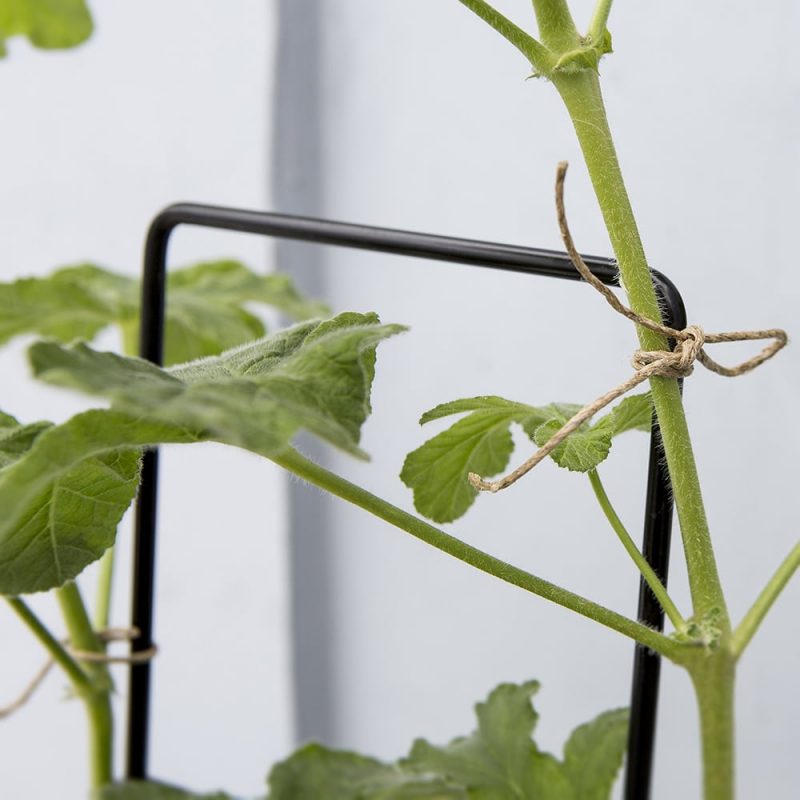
[[507, 258]]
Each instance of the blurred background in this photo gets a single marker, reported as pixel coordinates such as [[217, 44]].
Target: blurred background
[[284, 615]]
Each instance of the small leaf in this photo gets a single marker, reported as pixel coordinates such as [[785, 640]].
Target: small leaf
[[589, 446], [150, 790], [634, 413], [48, 24], [205, 311], [316, 773], [580, 451], [481, 442]]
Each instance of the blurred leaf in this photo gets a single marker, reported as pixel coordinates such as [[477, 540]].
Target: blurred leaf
[[149, 790], [499, 761], [205, 312], [317, 773], [48, 24]]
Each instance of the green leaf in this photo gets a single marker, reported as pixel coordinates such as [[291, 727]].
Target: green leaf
[[63, 490], [149, 790], [481, 443], [589, 446], [66, 487], [316, 375], [593, 754], [48, 24], [499, 760], [317, 773], [205, 312]]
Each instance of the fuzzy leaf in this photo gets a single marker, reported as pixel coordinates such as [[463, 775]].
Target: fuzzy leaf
[[589, 446], [64, 495], [580, 451], [205, 311], [316, 773], [48, 24], [316, 375], [481, 442], [149, 790]]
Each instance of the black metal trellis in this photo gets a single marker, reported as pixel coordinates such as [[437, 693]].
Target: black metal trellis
[[508, 258]]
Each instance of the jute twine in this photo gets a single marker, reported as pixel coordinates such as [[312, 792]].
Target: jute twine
[[677, 363], [105, 636]]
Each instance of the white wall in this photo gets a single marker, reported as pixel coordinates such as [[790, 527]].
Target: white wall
[[430, 124], [167, 102]]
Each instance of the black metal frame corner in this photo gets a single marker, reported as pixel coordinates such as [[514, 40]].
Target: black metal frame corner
[[508, 258]]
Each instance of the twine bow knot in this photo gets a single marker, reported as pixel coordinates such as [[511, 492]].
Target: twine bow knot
[[676, 363]]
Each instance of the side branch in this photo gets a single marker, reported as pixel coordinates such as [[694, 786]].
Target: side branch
[[755, 616], [539, 56], [294, 462]]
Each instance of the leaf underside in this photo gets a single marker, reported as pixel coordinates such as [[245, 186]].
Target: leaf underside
[[481, 443], [499, 761], [206, 310], [64, 488]]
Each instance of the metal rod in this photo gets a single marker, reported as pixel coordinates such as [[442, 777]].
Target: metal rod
[[508, 258]]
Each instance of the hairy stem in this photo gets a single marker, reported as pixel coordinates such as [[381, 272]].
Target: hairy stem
[[97, 699], [653, 581], [318, 476], [597, 26], [713, 675], [755, 616], [540, 58], [556, 27], [581, 94], [80, 681]]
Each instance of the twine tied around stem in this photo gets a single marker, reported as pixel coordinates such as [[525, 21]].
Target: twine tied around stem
[[104, 636], [676, 363]]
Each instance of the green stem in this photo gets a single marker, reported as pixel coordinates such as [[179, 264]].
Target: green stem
[[105, 580], [538, 55], [79, 679], [599, 23], [713, 675], [582, 96], [653, 581], [97, 699], [556, 27], [755, 616], [318, 476]]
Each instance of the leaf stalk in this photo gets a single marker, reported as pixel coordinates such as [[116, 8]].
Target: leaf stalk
[[317, 475], [653, 581], [769, 594]]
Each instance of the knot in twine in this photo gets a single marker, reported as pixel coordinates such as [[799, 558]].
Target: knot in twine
[[676, 363], [679, 363], [92, 656]]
